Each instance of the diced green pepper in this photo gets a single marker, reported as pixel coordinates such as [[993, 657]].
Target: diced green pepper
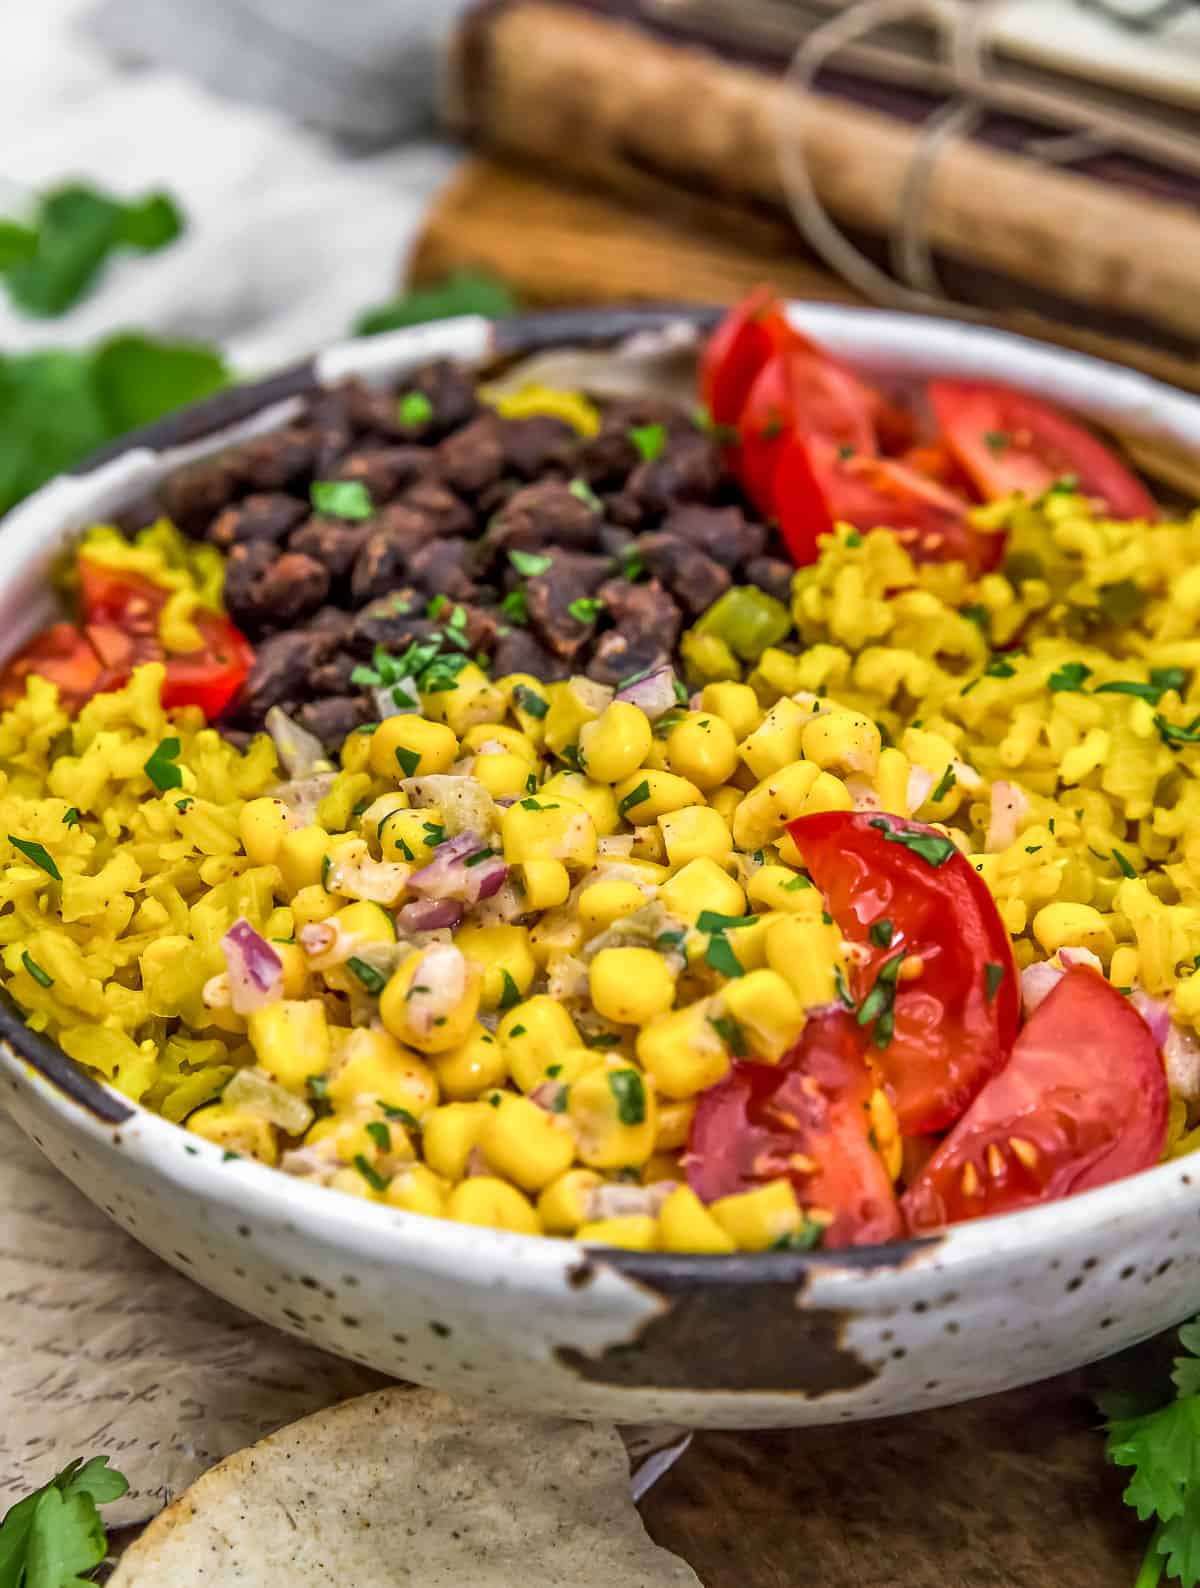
[[748, 620]]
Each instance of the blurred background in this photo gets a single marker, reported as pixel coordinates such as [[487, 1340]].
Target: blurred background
[[193, 194]]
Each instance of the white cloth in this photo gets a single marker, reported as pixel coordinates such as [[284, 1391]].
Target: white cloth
[[289, 235]]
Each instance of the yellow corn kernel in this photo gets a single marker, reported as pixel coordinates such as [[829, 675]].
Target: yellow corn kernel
[[475, 1066], [682, 1051], [891, 781], [410, 836], [843, 741], [573, 703], [336, 811], [431, 1000], [535, 1035], [313, 904], [487, 736], [660, 1166], [828, 793], [614, 1115], [418, 1190], [545, 883], [596, 798], [549, 829], [236, 1131], [693, 832], [503, 955], [290, 1039], [563, 1205], [643, 872], [470, 700], [301, 857], [757, 1219], [558, 932], [523, 691], [355, 753], [409, 746], [352, 1137], [1073, 926], [806, 951], [646, 796], [372, 1068], [770, 805], [702, 748], [526, 1144], [1123, 972], [262, 826], [450, 1135], [502, 774], [767, 1010], [494, 1204], [686, 1225], [648, 844], [368, 922], [725, 800], [735, 704], [775, 743], [616, 742], [707, 656], [701, 885], [296, 979], [636, 1232], [602, 903], [351, 1183], [674, 1123], [885, 1130], [631, 985], [781, 888]]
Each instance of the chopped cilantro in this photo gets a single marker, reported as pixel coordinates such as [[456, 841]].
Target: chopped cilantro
[[533, 805], [414, 408], [409, 760], [184, 805], [554, 1071], [632, 564], [510, 994], [714, 921], [517, 1031], [409, 1121], [160, 767], [585, 609], [670, 941], [317, 1088], [826, 918], [853, 538], [374, 1179], [932, 848], [434, 606], [945, 784], [999, 667], [993, 975], [798, 883], [649, 440], [434, 833], [71, 817], [531, 783], [845, 452], [582, 491], [1069, 678], [731, 1034], [636, 796], [1123, 864], [802, 1240], [626, 1086], [341, 498], [515, 607], [843, 992], [526, 699], [878, 1006], [479, 857], [995, 440], [374, 981], [530, 563], [601, 1039], [978, 615], [326, 868], [881, 933], [380, 1134], [35, 970], [1173, 736], [719, 956], [38, 854]]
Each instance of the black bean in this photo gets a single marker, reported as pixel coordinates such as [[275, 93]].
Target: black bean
[[265, 515], [472, 459], [693, 578]]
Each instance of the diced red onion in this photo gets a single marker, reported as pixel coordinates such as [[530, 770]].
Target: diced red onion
[[255, 969], [1156, 1013], [1037, 983], [654, 694], [615, 1201], [385, 699], [547, 1095], [1009, 804], [920, 782], [429, 915], [300, 753], [1071, 958], [438, 985], [449, 876], [1181, 1056]]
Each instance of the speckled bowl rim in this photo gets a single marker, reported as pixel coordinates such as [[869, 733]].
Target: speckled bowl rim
[[882, 342]]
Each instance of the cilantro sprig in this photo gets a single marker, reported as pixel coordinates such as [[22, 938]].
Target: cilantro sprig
[[53, 1537]]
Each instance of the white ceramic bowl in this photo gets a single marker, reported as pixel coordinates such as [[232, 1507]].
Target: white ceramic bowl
[[545, 1324]]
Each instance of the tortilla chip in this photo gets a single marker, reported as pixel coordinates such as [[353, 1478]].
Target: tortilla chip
[[410, 1487]]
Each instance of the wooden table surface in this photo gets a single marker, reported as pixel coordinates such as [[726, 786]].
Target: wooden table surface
[[1008, 1492]]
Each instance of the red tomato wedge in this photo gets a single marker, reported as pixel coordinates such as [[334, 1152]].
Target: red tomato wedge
[[1009, 441], [1081, 1102], [209, 678], [901, 889], [751, 333], [64, 656], [817, 484], [798, 388], [804, 1118]]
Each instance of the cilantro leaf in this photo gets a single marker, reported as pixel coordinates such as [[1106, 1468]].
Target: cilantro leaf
[[649, 440], [414, 409], [933, 849], [585, 609], [948, 779], [719, 956], [39, 854], [526, 699], [582, 491], [626, 1086], [373, 980], [53, 1535], [1069, 678], [341, 499], [530, 563], [160, 767]]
